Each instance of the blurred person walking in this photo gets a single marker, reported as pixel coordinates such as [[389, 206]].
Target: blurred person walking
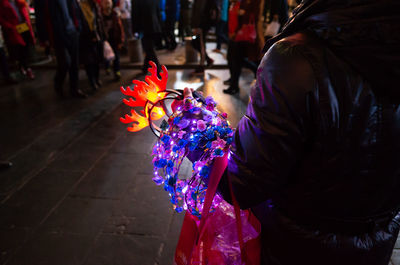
[[246, 41], [4, 62], [60, 22], [160, 38], [146, 22], [205, 14], [91, 41], [18, 33], [172, 13], [115, 35], [222, 25], [125, 7], [184, 19]]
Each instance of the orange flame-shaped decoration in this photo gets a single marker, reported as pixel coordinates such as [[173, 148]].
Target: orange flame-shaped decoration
[[146, 95]]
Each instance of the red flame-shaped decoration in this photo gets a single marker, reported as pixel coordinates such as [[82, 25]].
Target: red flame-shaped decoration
[[146, 95]]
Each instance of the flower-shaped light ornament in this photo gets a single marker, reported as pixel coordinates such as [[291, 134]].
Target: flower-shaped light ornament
[[196, 129]]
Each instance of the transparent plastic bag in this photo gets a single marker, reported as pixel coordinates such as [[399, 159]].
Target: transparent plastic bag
[[109, 54], [226, 239], [272, 29]]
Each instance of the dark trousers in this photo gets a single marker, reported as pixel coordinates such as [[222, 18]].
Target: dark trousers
[[20, 53], [93, 73], [148, 47], [169, 26], [199, 43], [4, 64], [67, 55], [237, 53], [184, 23], [222, 33], [92, 65]]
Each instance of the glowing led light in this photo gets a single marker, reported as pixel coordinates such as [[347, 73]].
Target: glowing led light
[[145, 94]]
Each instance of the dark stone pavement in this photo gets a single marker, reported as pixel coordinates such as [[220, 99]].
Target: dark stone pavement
[[80, 189]]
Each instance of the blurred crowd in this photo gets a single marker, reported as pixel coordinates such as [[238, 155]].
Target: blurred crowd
[[94, 34]]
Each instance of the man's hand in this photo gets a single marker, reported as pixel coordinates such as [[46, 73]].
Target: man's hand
[[187, 92]]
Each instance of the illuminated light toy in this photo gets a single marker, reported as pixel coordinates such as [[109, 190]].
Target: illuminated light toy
[[195, 128]]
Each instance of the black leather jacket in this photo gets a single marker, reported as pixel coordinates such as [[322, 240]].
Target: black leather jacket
[[317, 156]]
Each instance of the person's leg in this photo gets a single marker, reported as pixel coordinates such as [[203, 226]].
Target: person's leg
[[224, 32], [116, 63], [96, 72], [63, 63], [107, 66], [148, 47], [170, 34], [128, 32], [90, 72], [15, 53], [181, 27], [218, 31], [24, 55], [97, 62], [74, 65], [196, 43], [207, 58], [4, 65], [235, 65], [230, 58], [237, 56]]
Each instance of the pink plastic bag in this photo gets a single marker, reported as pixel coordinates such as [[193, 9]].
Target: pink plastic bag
[[226, 236]]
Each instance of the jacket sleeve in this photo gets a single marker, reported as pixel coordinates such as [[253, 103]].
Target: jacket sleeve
[[270, 138]]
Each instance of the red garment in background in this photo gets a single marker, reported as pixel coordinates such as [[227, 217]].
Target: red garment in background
[[233, 20], [9, 21]]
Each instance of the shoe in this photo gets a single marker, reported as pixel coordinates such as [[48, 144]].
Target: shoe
[[79, 94], [217, 50], [231, 90], [209, 62], [94, 87], [5, 164], [198, 72], [227, 82], [30, 74], [117, 76]]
